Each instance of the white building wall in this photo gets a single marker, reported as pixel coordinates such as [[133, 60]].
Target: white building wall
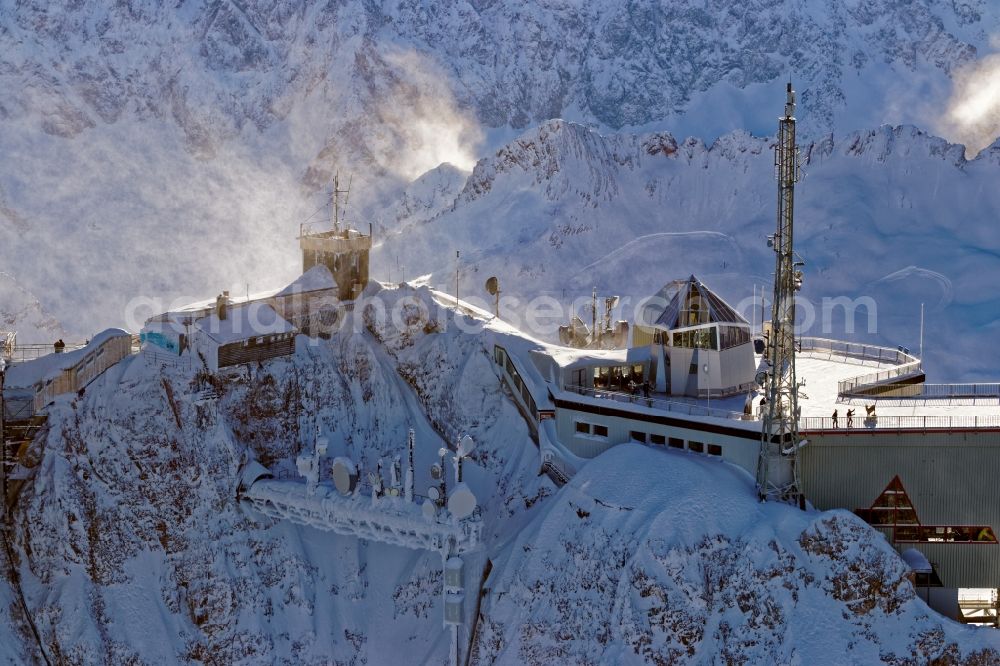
[[740, 451]]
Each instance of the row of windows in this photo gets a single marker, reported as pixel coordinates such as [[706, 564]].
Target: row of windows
[[677, 443], [712, 337], [252, 342], [598, 430], [595, 429], [503, 360]]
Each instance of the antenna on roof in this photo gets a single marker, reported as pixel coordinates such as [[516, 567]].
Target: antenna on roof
[[335, 199]]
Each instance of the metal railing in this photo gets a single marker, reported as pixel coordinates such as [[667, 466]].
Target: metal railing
[[952, 391], [861, 423], [906, 365], [30, 352], [855, 351], [686, 408]]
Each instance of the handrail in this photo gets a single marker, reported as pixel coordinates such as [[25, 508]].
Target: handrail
[[659, 403], [29, 352], [906, 364], [863, 424]]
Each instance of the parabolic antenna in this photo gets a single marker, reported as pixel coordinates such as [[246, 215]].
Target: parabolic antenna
[[492, 286], [436, 471], [429, 510], [345, 476], [462, 502], [434, 493], [465, 446]]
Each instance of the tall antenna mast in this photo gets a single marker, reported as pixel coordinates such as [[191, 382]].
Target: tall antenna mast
[[777, 468], [335, 198]]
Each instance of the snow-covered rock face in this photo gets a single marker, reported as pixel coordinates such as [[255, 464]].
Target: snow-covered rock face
[[894, 215], [133, 546], [217, 69], [664, 557], [20, 311]]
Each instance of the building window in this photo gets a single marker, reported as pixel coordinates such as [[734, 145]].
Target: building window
[[697, 447], [676, 443], [657, 439], [714, 450], [583, 428], [601, 431], [638, 436]]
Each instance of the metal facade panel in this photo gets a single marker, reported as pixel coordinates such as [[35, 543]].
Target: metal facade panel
[[950, 477]]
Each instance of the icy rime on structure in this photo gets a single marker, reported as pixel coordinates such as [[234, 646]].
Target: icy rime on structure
[[777, 471], [393, 520]]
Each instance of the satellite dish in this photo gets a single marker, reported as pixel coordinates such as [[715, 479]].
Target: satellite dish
[[345, 476], [429, 510], [462, 502], [492, 286], [436, 471], [760, 378], [393, 492], [465, 446], [434, 493]]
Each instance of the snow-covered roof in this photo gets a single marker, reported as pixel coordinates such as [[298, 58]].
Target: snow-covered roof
[[29, 373], [315, 279], [917, 561], [242, 322], [569, 359], [687, 303]]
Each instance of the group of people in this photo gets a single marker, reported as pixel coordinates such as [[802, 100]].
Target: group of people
[[850, 416]]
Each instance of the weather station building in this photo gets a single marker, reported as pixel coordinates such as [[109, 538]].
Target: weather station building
[[344, 251]]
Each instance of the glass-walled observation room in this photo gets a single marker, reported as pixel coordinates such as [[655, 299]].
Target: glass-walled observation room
[[713, 336]]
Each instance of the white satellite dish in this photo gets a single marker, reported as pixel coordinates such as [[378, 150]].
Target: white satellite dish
[[465, 446], [434, 493], [462, 502], [429, 510], [436, 471], [345, 476], [393, 492]]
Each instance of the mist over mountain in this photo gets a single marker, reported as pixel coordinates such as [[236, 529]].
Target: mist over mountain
[[886, 219], [163, 152]]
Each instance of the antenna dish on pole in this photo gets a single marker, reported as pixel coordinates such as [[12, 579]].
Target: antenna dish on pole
[[493, 286], [462, 502], [465, 446]]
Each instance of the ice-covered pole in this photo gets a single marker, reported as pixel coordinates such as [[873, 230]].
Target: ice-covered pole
[[408, 482]]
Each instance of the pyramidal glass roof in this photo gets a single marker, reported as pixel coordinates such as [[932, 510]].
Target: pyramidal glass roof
[[689, 302]]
